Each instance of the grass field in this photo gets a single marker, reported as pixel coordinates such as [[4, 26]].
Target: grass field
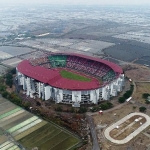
[[73, 76], [31, 131]]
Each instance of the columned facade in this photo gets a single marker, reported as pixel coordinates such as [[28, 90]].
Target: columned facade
[[34, 88]]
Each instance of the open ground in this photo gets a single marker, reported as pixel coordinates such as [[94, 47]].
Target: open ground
[[137, 73], [127, 128]]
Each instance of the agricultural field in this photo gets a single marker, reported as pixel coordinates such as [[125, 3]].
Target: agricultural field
[[21, 129], [74, 76]]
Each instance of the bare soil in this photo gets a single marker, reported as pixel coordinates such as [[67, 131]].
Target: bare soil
[[116, 133], [140, 89], [137, 72]]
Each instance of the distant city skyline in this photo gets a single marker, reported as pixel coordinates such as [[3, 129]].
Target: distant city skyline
[[83, 2]]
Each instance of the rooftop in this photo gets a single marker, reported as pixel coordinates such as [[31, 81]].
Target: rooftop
[[53, 77]]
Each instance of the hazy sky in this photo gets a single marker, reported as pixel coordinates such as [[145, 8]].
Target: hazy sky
[[100, 2]]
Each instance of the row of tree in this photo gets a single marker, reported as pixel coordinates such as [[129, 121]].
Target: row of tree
[[126, 95]]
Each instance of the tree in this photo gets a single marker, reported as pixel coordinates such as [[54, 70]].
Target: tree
[[145, 95], [2, 88], [147, 101], [13, 71], [5, 94], [9, 76], [127, 94], [9, 82], [131, 87], [1, 79], [26, 105], [142, 109], [121, 100], [38, 103], [110, 104], [104, 106]]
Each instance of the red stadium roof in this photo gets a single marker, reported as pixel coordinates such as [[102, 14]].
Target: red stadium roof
[[53, 77]]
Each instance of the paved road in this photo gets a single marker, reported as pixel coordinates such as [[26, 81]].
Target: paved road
[[93, 133]]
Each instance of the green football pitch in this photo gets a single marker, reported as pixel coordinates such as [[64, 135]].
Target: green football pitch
[[74, 76]]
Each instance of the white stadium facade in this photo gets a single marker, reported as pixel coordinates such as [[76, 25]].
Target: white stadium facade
[[40, 77]]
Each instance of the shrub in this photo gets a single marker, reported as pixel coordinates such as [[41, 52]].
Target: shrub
[[145, 95], [110, 104], [59, 108], [82, 110], [2, 88], [13, 71], [5, 94], [127, 94], [142, 109], [104, 106], [121, 100], [147, 101], [94, 109]]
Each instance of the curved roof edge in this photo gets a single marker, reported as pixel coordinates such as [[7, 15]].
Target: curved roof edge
[[48, 76], [112, 65]]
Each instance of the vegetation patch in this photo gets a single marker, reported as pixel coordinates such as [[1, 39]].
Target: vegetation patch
[[142, 109], [126, 95], [146, 96], [74, 76], [142, 92], [103, 106]]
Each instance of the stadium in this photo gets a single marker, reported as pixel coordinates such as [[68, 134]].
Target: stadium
[[70, 78]]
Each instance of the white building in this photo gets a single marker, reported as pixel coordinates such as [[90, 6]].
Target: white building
[[28, 78]]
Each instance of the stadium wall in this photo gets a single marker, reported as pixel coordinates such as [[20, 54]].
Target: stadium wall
[[34, 88]]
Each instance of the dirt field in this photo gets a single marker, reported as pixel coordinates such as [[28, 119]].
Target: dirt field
[[137, 143], [115, 115], [127, 127], [141, 142], [140, 89], [137, 72]]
